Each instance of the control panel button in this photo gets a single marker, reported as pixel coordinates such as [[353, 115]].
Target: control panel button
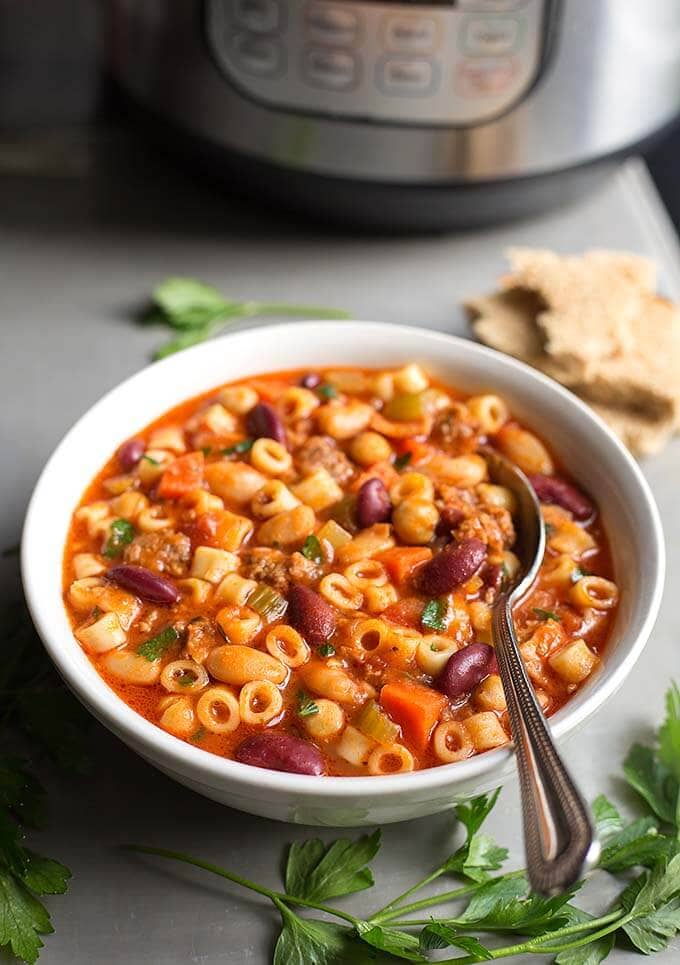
[[260, 16], [332, 69], [491, 35], [486, 76], [491, 6], [328, 24], [402, 76], [416, 34], [259, 55]]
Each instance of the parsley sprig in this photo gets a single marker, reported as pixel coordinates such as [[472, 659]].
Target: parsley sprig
[[646, 913], [38, 719], [196, 311]]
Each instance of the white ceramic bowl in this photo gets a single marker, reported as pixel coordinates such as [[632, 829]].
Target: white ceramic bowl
[[583, 443]]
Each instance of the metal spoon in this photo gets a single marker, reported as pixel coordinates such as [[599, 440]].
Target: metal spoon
[[558, 833]]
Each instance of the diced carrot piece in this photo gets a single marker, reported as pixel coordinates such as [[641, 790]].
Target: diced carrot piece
[[384, 471], [406, 612], [415, 707], [182, 476], [269, 390], [401, 561], [419, 451]]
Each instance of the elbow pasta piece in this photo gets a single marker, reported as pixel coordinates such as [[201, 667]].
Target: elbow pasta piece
[[327, 722], [401, 646], [411, 379], [490, 411], [286, 644], [480, 618], [131, 668], [497, 496], [234, 589], [216, 420], [259, 702], [270, 457], [319, 490], [569, 538], [238, 665], [415, 521], [178, 716], [168, 438], [382, 385], [433, 652], [129, 505], [489, 694], [152, 465], [213, 564], [401, 430], [350, 381], [344, 420], [152, 520], [378, 598], [595, 592], [238, 399], [558, 571], [485, 731], [298, 403], [232, 530], [287, 529], [511, 565], [451, 742], [184, 676], [117, 485], [104, 634], [367, 636], [393, 759], [339, 591], [239, 624], [205, 502], [97, 518], [233, 482], [365, 573], [87, 564], [411, 485], [574, 662], [462, 471], [524, 449], [368, 543], [196, 590], [274, 498], [354, 747], [92, 591], [369, 448], [218, 710]]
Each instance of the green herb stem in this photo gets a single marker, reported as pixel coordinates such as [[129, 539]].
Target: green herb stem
[[383, 914], [440, 899]]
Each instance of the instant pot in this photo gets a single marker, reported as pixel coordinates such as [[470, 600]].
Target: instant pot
[[411, 114]]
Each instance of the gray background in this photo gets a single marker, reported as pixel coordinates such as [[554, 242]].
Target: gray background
[[80, 247]]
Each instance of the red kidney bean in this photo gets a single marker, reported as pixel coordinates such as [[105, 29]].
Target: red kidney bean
[[310, 615], [263, 421], [552, 489], [373, 503], [144, 583], [130, 453], [492, 575], [453, 565], [280, 752], [466, 668], [449, 518], [310, 380]]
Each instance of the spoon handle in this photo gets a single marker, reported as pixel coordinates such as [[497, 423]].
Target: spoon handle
[[558, 833]]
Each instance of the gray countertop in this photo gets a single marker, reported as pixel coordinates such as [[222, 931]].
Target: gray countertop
[[79, 252]]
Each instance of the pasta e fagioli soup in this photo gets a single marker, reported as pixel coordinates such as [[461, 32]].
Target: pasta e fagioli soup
[[298, 570]]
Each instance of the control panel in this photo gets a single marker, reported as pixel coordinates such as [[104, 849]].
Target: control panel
[[459, 63]]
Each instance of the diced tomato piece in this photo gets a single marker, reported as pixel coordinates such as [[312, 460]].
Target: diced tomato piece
[[415, 707], [406, 612], [401, 561], [182, 476], [419, 451]]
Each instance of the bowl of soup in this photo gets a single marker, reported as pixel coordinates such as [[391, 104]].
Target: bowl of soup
[[269, 564]]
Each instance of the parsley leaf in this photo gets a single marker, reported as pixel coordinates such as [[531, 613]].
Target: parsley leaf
[[637, 844], [440, 935], [546, 614], [591, 954], [311, 549], [245, 445], [402, 461], [155, 647], [607, 819], [326, 650], [22, 918], [398, 943], [480, 853], [151, 460], [306, 706], [669, 732], [327, 391], [496, 908], [306, 941], [44, 876], [121, 534], [653, 781], [653, 902], [317, 872], [434, 615]]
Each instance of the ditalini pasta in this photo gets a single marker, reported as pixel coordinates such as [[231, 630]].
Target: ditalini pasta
[[298, 571]]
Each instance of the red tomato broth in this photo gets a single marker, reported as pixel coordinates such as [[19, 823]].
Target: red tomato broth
[[372, 671]]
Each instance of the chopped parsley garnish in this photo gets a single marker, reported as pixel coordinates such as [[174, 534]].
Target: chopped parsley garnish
[[402, 461], [326, 650], [578, 573], [327, 391], [198, 735], [306, 706], [434, 614], [546, 614], [155, 647], [206, 450], [245, 445], [312, 549], [121, 535], [154, 462]]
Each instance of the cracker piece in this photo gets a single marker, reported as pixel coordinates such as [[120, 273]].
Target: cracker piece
[[506, 321], [643, 436]]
